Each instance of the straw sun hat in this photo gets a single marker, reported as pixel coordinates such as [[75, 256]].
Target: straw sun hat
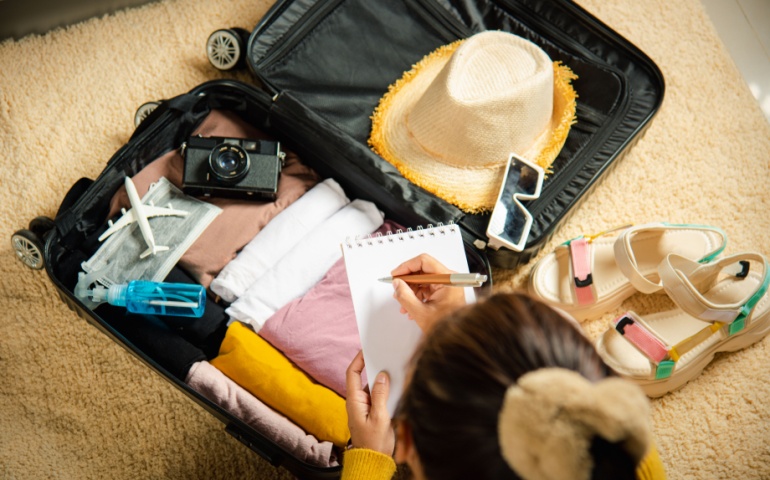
[[450, 123]]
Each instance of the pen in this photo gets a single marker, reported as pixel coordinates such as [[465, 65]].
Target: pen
[[451, 279]]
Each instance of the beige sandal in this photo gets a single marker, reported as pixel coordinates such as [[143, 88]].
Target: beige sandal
[[663, 351], [591, 275]]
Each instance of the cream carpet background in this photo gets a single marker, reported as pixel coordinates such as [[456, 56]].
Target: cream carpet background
[[75, 405]]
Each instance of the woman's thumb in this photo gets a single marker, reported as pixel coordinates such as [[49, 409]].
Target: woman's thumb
[[379, 393]]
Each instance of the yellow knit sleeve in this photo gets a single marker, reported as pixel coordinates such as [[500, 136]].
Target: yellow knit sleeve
[[365, 464], [651, 468]]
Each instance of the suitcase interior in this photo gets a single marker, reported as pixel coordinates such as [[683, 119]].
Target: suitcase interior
[[82, 217], [330, 61], [318, 92]]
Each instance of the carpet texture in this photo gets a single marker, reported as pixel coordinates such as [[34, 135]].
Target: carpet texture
[[75, 405]]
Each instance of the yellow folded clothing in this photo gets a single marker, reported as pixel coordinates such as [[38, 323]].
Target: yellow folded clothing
[[264, 371]]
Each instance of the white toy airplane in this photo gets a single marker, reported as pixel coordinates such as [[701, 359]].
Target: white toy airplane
[[140, 213]]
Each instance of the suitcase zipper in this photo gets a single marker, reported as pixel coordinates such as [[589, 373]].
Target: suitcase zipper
[[306, 23], [440, 19]]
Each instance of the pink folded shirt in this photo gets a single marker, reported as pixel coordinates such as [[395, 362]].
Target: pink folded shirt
[[240, 220], [318, 331], [217, 387]]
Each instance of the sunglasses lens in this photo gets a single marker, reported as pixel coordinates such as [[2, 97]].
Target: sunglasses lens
[[521, 179], [510, 222], [528, 180], [514, 227]]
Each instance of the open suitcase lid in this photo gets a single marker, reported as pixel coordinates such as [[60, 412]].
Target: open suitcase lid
[[328, 62]]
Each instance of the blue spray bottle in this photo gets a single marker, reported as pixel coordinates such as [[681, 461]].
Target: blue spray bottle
[[154, 298]]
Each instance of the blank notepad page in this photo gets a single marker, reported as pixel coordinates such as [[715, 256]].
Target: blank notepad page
[[389, 338]]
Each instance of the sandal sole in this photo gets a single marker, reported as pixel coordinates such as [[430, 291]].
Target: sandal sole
[[755, 330], [658, 388]]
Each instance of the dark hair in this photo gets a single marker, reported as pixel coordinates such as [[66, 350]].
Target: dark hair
[[462, 369]]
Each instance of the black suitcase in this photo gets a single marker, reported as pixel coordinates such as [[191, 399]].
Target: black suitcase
[[619, 90], [327, 124]]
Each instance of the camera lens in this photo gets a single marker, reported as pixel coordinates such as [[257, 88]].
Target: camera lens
[[228, 163]]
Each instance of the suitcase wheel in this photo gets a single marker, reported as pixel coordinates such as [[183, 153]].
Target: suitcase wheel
[[226, 48], [28, 248], [143, 111]]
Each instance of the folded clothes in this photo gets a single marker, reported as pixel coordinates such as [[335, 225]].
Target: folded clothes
[[279, 237], [154, 338], [214, 385], [305, 265], [150, 334], [240, 220], [258, 367], [205, 332], [318, 331]]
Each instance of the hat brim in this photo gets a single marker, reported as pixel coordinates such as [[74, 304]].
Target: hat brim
[[473, 190]]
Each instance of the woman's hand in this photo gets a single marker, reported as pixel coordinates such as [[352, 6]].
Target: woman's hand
[[368, 417], [425, 304]]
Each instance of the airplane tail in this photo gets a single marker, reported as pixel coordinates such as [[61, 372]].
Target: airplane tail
[[153, 250]]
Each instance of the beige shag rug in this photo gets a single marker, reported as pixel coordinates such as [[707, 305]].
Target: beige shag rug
[[74, 405]]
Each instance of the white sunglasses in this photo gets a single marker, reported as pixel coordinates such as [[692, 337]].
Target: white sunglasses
[[511, 222]]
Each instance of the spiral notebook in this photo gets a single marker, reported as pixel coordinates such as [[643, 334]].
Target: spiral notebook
[[388, 338]]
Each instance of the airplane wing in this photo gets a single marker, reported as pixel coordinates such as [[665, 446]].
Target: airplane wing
[[127, 219], [153, 211], [130, 217]]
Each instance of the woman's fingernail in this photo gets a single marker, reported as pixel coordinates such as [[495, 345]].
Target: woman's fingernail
[[382, 377]]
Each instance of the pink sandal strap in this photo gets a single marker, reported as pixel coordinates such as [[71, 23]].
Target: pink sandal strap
[[640, 336], [637, 333], [580, 257]]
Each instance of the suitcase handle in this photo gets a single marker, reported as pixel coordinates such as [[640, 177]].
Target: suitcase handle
[[271, 455]]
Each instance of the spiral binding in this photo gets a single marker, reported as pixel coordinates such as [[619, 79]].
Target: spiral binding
[[399, 235]]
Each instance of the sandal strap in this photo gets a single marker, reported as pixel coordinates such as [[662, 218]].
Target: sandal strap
[[626, 260], [679, 276], [580, 253], [636, 331], [580, 258]]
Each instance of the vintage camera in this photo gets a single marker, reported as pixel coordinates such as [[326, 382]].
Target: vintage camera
[[231, 167]]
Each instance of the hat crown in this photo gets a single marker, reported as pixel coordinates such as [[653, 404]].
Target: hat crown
[[494, 96]]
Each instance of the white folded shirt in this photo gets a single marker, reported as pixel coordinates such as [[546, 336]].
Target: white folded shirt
[[305, 265], [279, 236]]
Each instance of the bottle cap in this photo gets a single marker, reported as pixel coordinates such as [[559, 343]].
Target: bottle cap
[[116, 295]]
